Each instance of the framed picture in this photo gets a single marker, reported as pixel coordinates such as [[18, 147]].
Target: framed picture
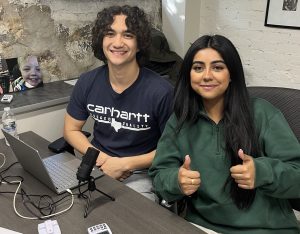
[[19, 74], [283, 14]]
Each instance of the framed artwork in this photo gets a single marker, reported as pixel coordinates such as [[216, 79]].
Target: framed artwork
[[19, 74], [283, 14]]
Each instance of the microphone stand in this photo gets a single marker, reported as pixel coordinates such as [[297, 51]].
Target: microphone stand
[[91, 188]]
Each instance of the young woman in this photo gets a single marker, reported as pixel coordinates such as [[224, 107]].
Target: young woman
[[234, 158]]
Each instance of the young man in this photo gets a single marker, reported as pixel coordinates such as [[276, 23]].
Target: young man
[[129, 103]]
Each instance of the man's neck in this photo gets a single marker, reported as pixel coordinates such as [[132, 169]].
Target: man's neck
[[122, 77]]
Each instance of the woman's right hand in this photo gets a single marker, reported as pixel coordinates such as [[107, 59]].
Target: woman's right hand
[[189, 181]]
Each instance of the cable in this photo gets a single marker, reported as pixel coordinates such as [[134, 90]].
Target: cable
[[50, 204], [46, 211], [8, 167], [3, 179], [81, 194], [41, 217], [4, 160]]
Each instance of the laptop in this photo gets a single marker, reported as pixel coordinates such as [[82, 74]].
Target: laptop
[[58, 171]]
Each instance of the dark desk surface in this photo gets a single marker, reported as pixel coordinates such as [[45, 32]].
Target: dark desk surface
[[129, 213], [50, 94]]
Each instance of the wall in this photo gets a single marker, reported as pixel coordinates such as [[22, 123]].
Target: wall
[[173, 17], [58, 31], [270, 55], [181, 23], [46, 122]]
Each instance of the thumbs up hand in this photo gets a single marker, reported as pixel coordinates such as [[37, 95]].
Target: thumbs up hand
[[189, 181], [244, 174]]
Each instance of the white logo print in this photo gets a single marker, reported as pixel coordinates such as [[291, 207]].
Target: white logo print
[[126, 120], [115, 124]]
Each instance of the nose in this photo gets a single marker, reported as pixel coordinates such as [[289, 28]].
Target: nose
[[118, 42], [33, 72], [207, 74]]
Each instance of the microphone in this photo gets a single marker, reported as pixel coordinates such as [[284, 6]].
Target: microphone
[[87, 164]]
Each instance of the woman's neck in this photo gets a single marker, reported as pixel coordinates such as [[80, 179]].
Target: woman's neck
[[214, 109]]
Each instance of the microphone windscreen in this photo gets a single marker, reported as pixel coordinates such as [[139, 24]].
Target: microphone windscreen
[[87, 164]]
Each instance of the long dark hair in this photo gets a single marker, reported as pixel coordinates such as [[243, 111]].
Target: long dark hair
[[239, 129], [137, 23]]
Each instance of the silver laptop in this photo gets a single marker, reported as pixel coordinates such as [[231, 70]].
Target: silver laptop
[[58, 171]]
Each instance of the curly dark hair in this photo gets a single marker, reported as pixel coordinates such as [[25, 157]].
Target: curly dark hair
[[137, 22]]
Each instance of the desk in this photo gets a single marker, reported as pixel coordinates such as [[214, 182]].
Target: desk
[[50, 94], [129, 213], [35, 107]]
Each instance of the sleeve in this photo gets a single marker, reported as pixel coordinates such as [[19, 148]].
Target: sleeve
[[166, 163], [278, 172], [77, 104]]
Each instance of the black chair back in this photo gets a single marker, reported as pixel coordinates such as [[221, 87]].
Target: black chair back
[[288, 102], [285, 99]]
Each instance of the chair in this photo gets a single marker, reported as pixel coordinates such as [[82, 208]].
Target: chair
[[288, 102], [285, 99], [60, 145]]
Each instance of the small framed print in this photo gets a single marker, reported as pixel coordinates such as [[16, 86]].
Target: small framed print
[[283, 14]]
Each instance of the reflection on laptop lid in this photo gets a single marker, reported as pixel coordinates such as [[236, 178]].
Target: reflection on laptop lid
[[58, 171]]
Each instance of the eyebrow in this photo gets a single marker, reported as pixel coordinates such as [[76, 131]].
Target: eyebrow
[[126, 31], [213, 62], [27, 66]]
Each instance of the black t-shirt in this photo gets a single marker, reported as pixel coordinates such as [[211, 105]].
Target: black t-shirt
[[126, 124]]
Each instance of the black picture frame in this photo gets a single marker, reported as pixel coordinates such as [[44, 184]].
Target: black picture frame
[[283, 14]]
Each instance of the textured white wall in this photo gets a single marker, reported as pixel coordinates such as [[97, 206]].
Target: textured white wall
[[173, 18], [181, 23], [271, 56]]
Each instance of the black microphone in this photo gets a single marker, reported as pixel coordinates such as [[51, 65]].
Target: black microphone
[[87, 164]]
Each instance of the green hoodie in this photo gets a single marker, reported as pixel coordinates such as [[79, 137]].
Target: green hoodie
[[277, 174]]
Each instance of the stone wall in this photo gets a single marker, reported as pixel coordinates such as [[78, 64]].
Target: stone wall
[[58, 31], [270, 55]]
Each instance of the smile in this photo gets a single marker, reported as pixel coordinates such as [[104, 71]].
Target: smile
[[34, 79], [117, 52], [208, 87]]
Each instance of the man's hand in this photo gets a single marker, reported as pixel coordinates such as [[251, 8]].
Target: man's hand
[[189, 180], [244, 175], [102, 157], [114, 167], [121, 167]]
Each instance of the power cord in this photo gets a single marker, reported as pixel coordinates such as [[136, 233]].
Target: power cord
[[81, 194], [45, 203], [4, 159], [43, 216]]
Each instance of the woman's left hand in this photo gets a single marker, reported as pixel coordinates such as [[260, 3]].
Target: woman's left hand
[[244, 174]]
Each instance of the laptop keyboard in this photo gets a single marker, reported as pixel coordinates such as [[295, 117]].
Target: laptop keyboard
[[62, 176]]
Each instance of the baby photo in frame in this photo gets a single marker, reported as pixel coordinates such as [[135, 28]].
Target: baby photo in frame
[[20, 74]]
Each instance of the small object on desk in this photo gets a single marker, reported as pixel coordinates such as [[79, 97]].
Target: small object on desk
[[7, 98], [49, 227], [71, 82], [7, 231], [101, 228]]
